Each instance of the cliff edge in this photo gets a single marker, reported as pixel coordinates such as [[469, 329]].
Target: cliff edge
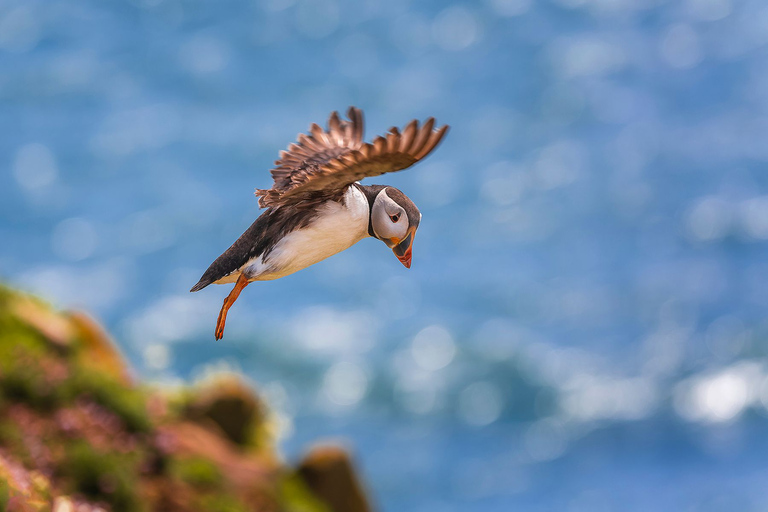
[[79, 434]]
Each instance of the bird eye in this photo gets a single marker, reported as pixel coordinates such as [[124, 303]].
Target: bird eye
[[395, 217]]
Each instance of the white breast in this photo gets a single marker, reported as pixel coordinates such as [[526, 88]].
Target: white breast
[[337, 227]]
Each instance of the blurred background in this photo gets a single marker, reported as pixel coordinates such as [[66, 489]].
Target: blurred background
[[584, 326]]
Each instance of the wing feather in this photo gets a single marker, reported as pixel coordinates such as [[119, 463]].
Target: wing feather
[[393, 140], [421, 136], [326, 161], [432, 142]]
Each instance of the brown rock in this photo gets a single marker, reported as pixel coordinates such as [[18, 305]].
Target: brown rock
[[328, 471], [242, 469], [47, 322], [103, 353], [231, 405]]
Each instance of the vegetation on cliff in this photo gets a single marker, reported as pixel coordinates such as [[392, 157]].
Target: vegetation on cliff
[[77, 433]]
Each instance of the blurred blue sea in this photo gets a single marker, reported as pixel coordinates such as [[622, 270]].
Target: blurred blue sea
[[584, 326]]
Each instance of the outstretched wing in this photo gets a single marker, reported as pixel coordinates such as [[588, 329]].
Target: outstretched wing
[[326, 161]]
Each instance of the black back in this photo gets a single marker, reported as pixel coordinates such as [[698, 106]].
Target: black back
[[259, 239]]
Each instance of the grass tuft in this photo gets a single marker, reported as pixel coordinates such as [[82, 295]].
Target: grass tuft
[[128, 404], [103, 476], [197, 472], [5, 494]]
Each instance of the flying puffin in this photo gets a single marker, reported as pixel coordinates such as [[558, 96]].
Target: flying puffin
[[316, 207]]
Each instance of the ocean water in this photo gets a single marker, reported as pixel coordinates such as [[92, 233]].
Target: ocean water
[[584, 325]]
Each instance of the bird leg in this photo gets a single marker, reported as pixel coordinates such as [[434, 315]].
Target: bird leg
[[241, 283]]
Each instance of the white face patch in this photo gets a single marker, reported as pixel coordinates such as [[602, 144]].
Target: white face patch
[[388, 218]]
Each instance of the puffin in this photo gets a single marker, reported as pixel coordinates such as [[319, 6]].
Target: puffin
[[317, 206]]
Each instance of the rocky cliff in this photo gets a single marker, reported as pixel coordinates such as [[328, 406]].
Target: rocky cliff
[[79, 434]]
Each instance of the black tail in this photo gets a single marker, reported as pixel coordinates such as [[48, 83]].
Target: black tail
[[202, 283]]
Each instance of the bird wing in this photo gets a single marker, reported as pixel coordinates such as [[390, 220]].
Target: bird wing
[[326, 161]]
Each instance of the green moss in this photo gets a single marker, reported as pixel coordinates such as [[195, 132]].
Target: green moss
[[105, 476], [16, 333], [13, 441], [18, 340], [208, 484], [261, 435], [22, 349], [9, 433], [24, 381], [5, 292], [22, 384], [44, 376], [127, 403], [295, 496], [221, 503], [196, 471], [4, 494]]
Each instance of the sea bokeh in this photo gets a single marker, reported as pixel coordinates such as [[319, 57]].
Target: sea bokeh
[[584, 325]]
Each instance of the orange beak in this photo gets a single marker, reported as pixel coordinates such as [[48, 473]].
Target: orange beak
[[403, 249]]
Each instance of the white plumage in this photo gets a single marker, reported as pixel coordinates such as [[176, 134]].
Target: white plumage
[[337, 227]]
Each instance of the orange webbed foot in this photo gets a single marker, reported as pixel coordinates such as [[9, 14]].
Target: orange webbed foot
[[241, 283], [220, 324]]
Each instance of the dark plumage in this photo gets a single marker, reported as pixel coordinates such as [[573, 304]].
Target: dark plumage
[[259, 239]]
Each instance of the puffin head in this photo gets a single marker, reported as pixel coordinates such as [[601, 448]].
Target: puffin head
[[394, 219]]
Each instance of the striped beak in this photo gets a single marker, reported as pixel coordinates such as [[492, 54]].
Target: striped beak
[[403, 249]]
